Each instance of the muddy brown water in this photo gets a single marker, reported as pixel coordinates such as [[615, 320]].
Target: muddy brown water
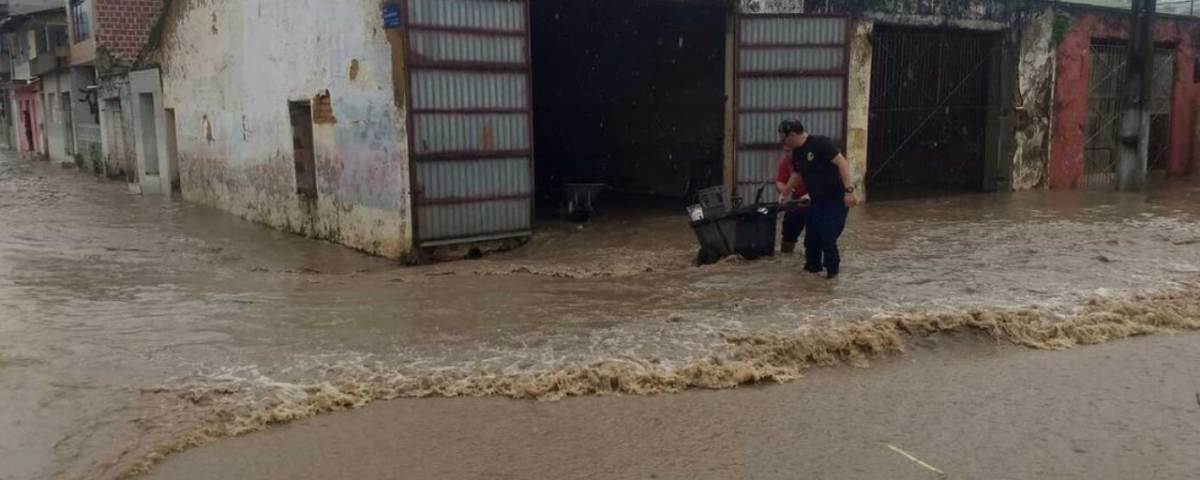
[[972, 410], [128, 321]]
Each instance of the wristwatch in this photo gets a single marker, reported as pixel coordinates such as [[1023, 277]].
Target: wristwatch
[[849, 189]]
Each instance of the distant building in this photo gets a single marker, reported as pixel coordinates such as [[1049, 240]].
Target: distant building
[[66, 67], [106, 38], [23, 7], [32, 44], [418, 127]]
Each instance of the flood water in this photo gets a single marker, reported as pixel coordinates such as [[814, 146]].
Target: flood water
[[129, 321]]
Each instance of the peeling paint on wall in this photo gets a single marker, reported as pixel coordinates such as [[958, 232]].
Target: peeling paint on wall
[[1033, 102], [1071, 94], [116, 120], [323, 109], [230, 89], [858, 110], [1031, 23]]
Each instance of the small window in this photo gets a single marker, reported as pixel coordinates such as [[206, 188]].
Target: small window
[[81, 18], [303, 150], [56, 36]]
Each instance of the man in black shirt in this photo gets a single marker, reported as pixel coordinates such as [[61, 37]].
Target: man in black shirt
[[826, 173]]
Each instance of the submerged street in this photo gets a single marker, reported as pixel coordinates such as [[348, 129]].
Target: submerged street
[[1114, 411], [131, 327]]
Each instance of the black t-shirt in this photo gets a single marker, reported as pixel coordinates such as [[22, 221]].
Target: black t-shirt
[[814, 161]]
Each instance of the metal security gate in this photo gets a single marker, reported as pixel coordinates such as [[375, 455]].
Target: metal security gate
[[470, 119], [1106, 82], [929, 110], [788, 66]]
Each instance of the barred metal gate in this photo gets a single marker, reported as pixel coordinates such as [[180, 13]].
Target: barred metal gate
[[470, 119], [788, 66], [1106, 82], [929, 109]]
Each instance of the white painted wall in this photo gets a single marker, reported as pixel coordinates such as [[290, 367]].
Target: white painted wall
[[229, 69], [116, 129], [55, 121], [87, 128], [142, 84]]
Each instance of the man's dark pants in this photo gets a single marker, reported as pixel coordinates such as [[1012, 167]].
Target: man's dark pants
[[826, 221], [793, 226]]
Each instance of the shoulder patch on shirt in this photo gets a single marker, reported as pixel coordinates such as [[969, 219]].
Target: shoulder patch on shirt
[[811, 157]]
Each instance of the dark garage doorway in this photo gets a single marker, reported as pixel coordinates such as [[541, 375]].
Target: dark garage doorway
[[628, 93], [929, 112]]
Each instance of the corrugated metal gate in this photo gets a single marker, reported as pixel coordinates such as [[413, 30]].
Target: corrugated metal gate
[[1106, 82], [470, 119], [788, 66]]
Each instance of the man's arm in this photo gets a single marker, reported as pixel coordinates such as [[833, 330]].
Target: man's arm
[[785, 193], [843, 167]]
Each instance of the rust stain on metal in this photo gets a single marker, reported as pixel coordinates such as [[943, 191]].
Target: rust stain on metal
[[487, 139], [323, 109]]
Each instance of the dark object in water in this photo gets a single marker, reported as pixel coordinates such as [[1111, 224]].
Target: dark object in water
[[579, 198], [712, 200], [748, 232]]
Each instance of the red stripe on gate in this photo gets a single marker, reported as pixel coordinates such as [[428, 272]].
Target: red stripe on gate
[[415, 63]]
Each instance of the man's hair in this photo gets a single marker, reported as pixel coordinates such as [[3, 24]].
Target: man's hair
[[790, 126]]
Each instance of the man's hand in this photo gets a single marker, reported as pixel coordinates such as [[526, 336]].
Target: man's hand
[[851, 200], [784, 198]]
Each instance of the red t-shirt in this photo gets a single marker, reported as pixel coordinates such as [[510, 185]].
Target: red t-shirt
[[785, 173]]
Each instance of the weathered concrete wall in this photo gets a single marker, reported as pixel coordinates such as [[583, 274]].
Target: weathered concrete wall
[[229, 70], [858, 101], [1071, 101], [71, 129], [116, 127], [85, 120], [1033, 103], [1030, 23], [150, 133], [53, 86]]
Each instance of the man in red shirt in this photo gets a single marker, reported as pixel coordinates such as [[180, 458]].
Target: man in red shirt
[[794, 217]]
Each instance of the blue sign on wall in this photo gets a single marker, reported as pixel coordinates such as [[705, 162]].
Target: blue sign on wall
[[391, 15]]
